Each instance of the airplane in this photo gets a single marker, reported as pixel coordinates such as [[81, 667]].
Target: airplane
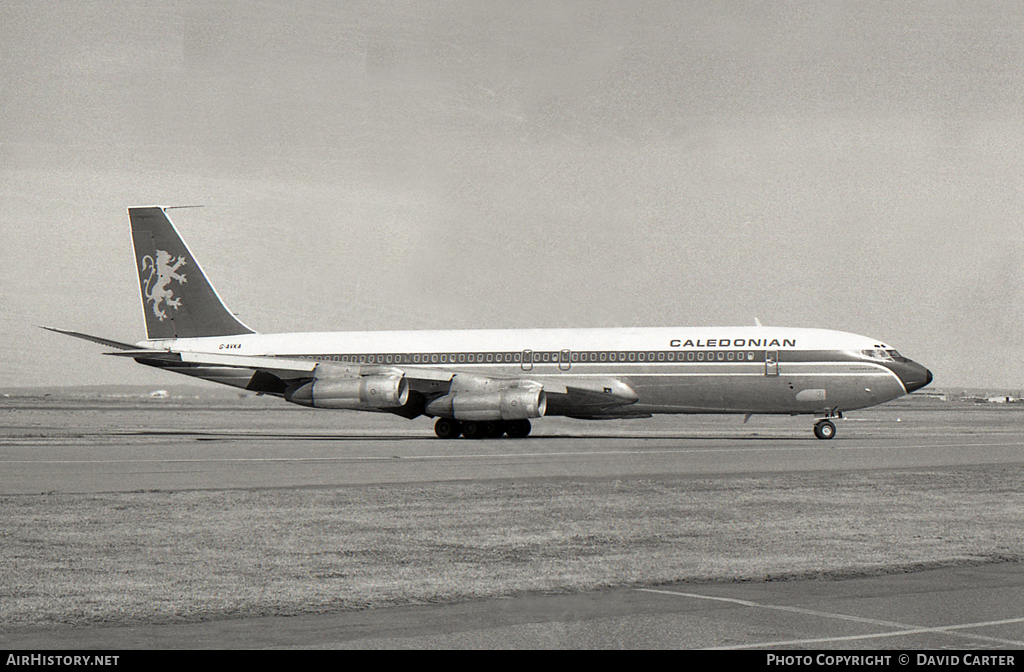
[[489, 383]]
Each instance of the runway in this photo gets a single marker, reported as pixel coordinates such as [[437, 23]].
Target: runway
[[81, 448], [94, 446]]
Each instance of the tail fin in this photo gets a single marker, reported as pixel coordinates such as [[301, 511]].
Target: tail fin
[[177, 299]]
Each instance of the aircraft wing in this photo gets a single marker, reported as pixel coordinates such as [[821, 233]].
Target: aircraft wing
[[578, 393], [279, 374], [284, 369]]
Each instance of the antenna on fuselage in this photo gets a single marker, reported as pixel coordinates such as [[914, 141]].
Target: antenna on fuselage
[[757, 322]]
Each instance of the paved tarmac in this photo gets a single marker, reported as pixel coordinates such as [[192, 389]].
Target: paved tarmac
[[963, 608], [85, 447], [88, 448]]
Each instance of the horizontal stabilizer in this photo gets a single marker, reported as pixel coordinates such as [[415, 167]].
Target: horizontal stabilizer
[[95, 339]]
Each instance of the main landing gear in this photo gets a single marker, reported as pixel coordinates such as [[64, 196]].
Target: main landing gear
[[448, 428], [824, 429]]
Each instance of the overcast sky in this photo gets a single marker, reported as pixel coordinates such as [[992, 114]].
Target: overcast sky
[[430, 165]]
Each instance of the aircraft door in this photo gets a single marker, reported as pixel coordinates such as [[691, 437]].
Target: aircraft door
[[563, 360], [771, 363], [527, 361]]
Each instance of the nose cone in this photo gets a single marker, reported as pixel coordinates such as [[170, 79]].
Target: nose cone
[[914, 376]]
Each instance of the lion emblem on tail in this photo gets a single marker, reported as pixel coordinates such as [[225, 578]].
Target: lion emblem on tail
[[161, 271]]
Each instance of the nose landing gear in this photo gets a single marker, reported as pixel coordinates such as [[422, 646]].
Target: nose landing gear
[[824, 429]]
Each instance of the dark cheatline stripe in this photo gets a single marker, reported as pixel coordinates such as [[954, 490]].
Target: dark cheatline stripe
[[590, 357]]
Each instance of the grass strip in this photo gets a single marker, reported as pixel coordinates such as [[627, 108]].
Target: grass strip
[[199, 555]]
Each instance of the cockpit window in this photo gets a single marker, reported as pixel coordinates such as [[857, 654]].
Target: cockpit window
[[897, 356], [878, 354]]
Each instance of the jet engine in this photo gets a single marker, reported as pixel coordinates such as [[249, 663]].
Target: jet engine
[[516, 403], [366, 392]]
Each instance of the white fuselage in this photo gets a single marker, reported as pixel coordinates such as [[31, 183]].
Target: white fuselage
[[671, 370]]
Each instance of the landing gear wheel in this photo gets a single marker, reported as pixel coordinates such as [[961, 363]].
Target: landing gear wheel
[[517, 429], [824, 429], [474, 430], [446, 428], [496, 430]]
